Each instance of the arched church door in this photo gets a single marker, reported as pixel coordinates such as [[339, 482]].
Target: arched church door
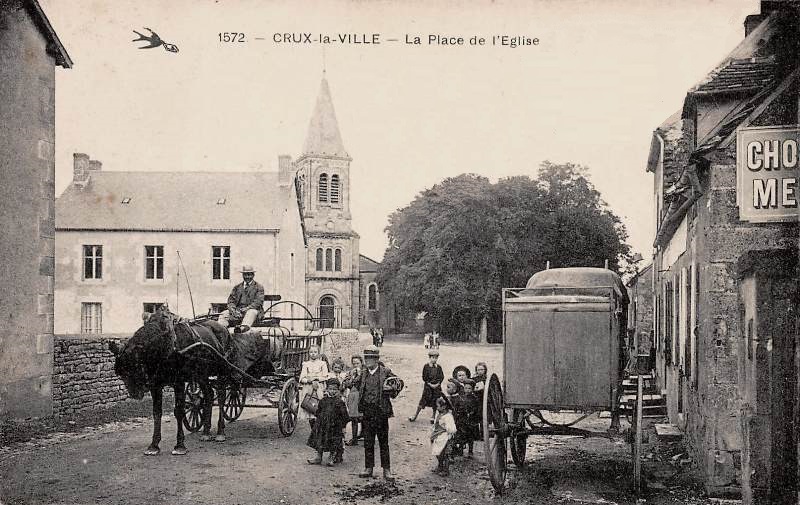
[[326, 311]]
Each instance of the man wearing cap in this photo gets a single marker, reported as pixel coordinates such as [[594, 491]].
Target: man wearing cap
[[246, 302], [376, 407]]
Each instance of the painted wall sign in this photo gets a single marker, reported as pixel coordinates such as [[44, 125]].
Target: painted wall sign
[[767, 170]]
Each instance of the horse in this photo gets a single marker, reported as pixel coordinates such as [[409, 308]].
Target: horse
[[151, 359]]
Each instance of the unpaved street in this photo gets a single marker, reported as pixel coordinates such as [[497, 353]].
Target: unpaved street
[[258, 465]]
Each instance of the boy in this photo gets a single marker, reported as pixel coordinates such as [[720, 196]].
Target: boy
[[432, 377], [457, 401], [331, 420], [472, 411]]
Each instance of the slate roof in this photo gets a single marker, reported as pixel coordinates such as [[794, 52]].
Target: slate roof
[[55, 47], [323, 132], [366, 264], [748, 74], [175, 201]]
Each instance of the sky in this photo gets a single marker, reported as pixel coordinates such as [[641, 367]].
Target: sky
[[602, 77]]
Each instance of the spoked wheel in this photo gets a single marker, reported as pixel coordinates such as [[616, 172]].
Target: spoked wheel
[[494, 432], [519, 443], [194, 407], [234, 402], [288, 406]]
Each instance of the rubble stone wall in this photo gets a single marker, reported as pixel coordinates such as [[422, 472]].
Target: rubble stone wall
[[343, 343], [83, 373]]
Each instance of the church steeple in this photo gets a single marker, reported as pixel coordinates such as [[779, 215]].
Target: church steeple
[[323, 137]]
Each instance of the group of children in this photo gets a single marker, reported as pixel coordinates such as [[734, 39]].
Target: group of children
[[456, 415], [337, 406]]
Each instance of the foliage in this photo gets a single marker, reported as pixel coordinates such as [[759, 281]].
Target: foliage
[[457, 244]]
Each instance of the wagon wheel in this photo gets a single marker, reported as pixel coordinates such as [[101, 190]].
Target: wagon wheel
[[636, 445], [234, 402], [494, 432], [519, 442], [288, 405], [193, 407]]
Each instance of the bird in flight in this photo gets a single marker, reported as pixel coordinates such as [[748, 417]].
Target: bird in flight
[[154, 41]]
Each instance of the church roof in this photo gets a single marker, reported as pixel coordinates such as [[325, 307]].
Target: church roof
[[54, 45], [175, 201], [323, 132], [366, 264]]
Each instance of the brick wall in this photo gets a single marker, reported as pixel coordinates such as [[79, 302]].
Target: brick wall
[[83, 374]]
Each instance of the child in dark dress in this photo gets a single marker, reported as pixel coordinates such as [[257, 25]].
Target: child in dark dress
[[454, 394], [332, 417], [432, 377], [472, 414]]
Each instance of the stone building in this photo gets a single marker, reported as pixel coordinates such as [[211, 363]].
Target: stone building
[[29, 51], [118, 236], [640, 310], [377, 309], [724, 313], [332, 268]]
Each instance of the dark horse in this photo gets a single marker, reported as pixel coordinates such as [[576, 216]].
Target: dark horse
[[150, 360]]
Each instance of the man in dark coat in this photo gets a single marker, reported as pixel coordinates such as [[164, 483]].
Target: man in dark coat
[[245, 303], [376, 406]]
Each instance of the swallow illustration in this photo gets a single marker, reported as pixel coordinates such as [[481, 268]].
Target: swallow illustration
[[154, 41]]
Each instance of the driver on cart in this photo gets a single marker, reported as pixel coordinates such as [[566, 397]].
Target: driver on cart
[[245, 304]]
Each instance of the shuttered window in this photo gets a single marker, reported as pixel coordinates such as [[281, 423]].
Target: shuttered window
[[335, 190], [323, 188]]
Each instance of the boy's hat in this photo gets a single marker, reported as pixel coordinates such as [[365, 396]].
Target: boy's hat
[[433, 352], [372, 352], [470, 382], [332, 382], [460, 368]]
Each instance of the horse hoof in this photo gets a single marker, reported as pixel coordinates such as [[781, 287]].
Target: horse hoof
[[220, 438], [152, 452], [179, 451], [206, 438]]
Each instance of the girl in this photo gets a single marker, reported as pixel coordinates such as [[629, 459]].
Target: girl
[[352, 395], [326, 436], [444, 429], [312, 378], [432, 377]]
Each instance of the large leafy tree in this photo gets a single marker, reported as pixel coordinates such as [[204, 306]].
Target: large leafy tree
[[454, 247]]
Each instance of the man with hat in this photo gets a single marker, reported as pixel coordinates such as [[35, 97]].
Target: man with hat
[[375, 394], [432, 377], [246, 302]]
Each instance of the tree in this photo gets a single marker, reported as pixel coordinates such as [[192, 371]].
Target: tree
[[456, 245]]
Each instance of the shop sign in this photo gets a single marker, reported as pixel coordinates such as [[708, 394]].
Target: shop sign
[[767, 170]]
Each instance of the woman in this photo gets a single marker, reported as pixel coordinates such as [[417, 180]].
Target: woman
[[312, 379]]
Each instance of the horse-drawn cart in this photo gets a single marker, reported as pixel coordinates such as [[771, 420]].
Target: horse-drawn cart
[[563, 351], [278, 383]]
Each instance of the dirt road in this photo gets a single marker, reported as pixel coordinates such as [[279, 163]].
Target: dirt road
[[258, 466]]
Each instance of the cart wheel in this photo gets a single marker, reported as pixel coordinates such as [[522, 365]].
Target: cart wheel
[[636, 446], [494, 435], [288, 405], [193, 409], [519, 443], [234, 402]]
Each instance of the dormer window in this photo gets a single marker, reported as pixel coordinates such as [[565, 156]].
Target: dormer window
[[126, 200], [221, 201]]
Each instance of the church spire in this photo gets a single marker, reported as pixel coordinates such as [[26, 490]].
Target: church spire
[[323, 132]]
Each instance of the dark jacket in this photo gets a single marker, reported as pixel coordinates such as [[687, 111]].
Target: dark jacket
[[242, 298], [386, 396]]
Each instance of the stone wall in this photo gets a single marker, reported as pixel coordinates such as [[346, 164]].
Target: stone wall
[[83, 374], [344, 343]]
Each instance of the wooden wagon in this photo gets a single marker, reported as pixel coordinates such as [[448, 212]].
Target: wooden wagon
[[563, 337]]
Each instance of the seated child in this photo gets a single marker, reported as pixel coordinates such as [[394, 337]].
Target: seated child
[[472, 414], [432, 377], [444, 429], [326, 436]]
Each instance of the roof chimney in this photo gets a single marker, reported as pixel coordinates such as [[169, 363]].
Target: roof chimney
[[284, 169], [95, 166], [80, 169]]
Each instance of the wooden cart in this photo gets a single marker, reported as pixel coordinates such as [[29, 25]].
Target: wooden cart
[[563, 338]]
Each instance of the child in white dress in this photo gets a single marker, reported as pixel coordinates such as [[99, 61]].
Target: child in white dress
[[443, 431], [312, 380]]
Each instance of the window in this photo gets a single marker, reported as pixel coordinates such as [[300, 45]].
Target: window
[[320, 266], [91, 318], [695, 324], [221, 201], [151, 307], [337, 263], [92, 262], [667, 312], [220, 262], [328, 260], [153, 262], [323, 188], [334, 188], [675, 320], [126, 200], [688, 324], [372, 297]]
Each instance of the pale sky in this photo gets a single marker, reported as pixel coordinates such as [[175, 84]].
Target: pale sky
[[603, 76]]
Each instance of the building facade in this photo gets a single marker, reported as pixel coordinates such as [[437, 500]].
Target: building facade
[[722, 359], [30, 51], [332, 266], [377, 309], [128, 241]]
